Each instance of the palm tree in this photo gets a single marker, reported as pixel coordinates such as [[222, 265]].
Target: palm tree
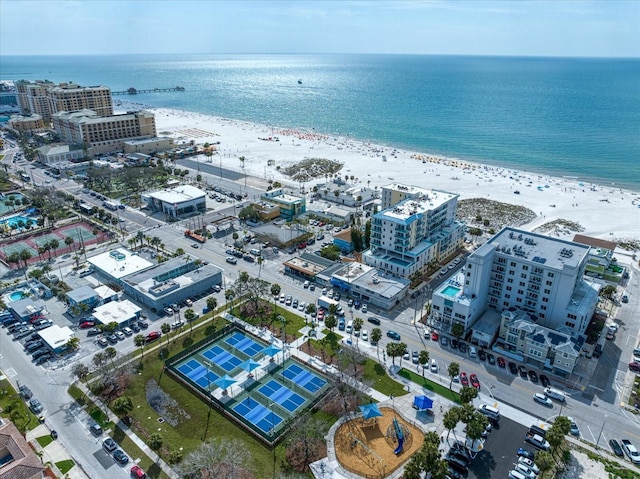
[[376, 336], [54, 244], [423, 359], [453, 370], [357, 324], [123, 406], [69, 241], [212, 303], [450, 420], [165, 328], [155, 441], [139, 341]]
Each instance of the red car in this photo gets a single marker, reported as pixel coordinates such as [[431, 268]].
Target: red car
[[474, 381], [87, 324], [464, 380], [152, 336], [635, 367], [434, 336], [501, 362], [136, 471]]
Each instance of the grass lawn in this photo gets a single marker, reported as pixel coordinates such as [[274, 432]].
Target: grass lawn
[[94, 411], [13, 407], [65, 466], [382, 382], [44, 441], [430, 385]]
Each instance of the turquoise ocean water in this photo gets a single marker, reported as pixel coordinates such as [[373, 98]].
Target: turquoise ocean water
[[561, 116]]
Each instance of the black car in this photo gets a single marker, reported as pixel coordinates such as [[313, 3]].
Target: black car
[[135, 327], [453, 474], [95, 429], [616, 448], [462, 347], [458, 453], [522, 452], [545, 380], [523, 372], [513, 368], [454, 343], [43, 359], [120, 457], [109, 445], [491, 358], [533, 377], [456, 463], [482, 355], [461, 450], [248, 258], [39, 353], [373, 320], [238, 254], [143, 324], [35, 406], [29, 347], [25, 392]]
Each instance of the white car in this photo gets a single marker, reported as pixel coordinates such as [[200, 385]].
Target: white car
[[364, 308], [301, 306], [525, 471], [434, 366], [364, 335], [542, 399], [529, 463]]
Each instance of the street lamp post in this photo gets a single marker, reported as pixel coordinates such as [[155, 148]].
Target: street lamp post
[[601, 429]]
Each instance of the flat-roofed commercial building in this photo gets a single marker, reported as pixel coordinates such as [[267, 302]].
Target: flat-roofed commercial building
[[60, 155], [290, 206], [149, 146], [172, 282], [103, 134], [409, 236], [121, 312], [177, 201]]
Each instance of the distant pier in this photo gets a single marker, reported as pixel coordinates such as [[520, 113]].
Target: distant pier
[[133, 91]]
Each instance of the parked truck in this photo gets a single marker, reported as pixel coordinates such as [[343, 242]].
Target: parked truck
[[325, 302], [195, 236]]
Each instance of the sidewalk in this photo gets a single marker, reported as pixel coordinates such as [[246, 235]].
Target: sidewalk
[[138, 442], [53, 453]]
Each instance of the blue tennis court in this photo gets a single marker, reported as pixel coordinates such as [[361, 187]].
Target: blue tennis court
[[282, 395], [198, 373], [247, 345], [257, 414], [222, 358], [304, 378]]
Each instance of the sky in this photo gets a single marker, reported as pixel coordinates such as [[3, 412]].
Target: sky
[[570, 28]]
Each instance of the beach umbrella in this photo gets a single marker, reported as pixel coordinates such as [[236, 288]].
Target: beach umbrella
[[370, 411], [271, 350], [249, 365], [422, 402], [224, 382]]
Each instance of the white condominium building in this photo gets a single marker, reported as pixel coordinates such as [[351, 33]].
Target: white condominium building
[[516, 269], [418, 231]]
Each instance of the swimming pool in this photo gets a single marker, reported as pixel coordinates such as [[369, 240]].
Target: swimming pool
[[15, 221], [450, 291], [16, 295]]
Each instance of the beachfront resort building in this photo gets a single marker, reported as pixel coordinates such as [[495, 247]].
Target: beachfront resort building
[[29, 124], [419, 231], [178, 201], [103, 134], [519, 270], [45, 98]]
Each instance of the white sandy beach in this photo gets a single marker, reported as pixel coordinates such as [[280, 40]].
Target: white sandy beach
[[604, 212]]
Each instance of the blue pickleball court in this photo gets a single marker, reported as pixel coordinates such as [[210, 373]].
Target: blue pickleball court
[[198, 373], [258, 415], [304, 378], [282, 395], [247, 345], [222, 358]]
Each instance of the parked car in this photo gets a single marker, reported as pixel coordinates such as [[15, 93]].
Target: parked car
[[634, 367], [523, 372], [482, 355], [434, 336], [103, 342], [443, 340], [87, 324], [168, 311], [464, 380], [491, 359], [513, 368], [25, 392], [94, 332], [542, 399], [533, 377], [109, 445], [35, 406], [152, 336], [373, 320], [29, 347], [44, 358], [474, 381], [522, 452], [120, 335], [545, 380], [616, 448], [120, 457], [462, 347], [231, 260], [127, 331], [574, 427], [138, 473], [501, 362], [143, 324], [112, 338]]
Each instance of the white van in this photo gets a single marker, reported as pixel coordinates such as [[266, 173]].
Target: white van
[[555, 394], [490, 411], [349, 326]]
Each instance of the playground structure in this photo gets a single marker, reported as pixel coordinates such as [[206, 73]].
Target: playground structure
[[377, 447]]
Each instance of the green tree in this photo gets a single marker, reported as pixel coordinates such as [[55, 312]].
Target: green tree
[[275, 289], [123, 406], [457, 330], [69, 241], [212, 303], [453, 370], [468, 394], [556, 439], [73, 344], [423, 359], [139, 341], [330, 322], [189, 315], [563, 424], [450, 419], [376, 336], [357, 324], [165, 328], [155, 441], [545, 462]]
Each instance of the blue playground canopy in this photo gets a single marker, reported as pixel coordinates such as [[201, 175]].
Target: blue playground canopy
[[370, 411], [422, 402]]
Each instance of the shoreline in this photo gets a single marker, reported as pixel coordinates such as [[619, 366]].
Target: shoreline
[[609, 212]]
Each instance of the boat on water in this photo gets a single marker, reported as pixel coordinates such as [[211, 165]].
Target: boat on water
[[299, 82]]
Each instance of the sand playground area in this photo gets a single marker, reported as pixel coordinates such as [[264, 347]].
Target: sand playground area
[[366, 447]]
